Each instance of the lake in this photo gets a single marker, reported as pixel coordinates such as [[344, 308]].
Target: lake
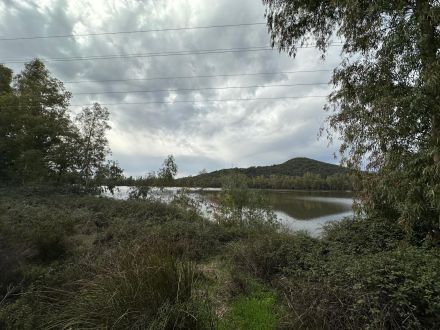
[[307, 210], [298, 210]]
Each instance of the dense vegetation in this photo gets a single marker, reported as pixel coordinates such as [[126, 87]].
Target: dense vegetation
[[308, 181], [296, 173], [82, 262], [293, 167]]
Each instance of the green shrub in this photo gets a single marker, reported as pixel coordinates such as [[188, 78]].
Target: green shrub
[[389, 290], [51, 245], [20, 314], [277, 253], [363, 236]]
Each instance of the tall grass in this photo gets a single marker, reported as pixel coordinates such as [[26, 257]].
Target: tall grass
[[134, 289]]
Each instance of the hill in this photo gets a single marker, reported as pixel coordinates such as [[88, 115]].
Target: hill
[[293, 167], [296, 173]]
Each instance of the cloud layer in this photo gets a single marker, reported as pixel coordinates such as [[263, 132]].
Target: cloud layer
[[203, 135]]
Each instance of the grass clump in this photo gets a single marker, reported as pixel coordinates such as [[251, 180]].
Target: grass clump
[[133, 290]]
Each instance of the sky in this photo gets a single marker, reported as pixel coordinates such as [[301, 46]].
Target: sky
[[187, 117]]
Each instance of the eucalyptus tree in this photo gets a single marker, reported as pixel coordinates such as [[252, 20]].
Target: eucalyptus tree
[[168, 171], [93, 149], [386, 102]]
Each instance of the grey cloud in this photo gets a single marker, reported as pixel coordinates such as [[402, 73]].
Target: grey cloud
[[202, 135]]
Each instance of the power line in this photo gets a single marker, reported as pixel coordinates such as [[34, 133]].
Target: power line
[[199, 89], [129, 32], [201, 76], [160, 54], [117, 56], [195, 102], [185, 101]]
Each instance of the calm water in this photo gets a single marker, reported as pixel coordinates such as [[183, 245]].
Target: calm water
[[308, 210], [298, 210]]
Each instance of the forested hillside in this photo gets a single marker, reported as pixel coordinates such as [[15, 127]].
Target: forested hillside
[[296, 173]]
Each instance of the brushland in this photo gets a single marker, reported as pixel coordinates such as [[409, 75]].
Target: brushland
[[83, 262]]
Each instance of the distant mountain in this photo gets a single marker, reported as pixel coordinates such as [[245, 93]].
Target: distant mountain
[[293, 167]]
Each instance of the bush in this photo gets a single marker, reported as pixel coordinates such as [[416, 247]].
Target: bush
[[20, 314], [363, 236], [37, 228], [389, 290], [277, 253]]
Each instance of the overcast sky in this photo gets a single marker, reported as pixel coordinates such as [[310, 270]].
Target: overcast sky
[[202, 135]]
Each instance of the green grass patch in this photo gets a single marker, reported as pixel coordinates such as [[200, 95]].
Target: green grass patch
[[257, 311]]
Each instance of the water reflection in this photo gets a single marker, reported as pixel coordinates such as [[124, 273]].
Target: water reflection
[[306, 210], [298, 210], [310, 205]]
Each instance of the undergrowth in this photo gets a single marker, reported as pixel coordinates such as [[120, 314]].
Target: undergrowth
[[82, 262]]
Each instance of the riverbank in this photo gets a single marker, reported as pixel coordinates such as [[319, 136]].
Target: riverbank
[[84, 262]]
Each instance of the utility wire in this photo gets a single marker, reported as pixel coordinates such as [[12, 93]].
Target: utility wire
[[194, 102], [198, 89], [201, 76], [160, 54], [182, 101], [128, 32]]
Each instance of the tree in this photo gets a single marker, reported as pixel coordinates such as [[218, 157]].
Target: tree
[[168, 171], [8, 130], [386, 100], [92, 145], [109, 175], [235, 191], [5, 80], [33, 121]]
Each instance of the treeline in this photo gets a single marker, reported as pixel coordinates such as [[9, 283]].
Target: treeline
[[42, 142], [309, 181]]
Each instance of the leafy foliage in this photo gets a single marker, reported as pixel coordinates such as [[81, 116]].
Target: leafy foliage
[[92, 124], [385, 102], [39, 142], [34, 122], [390, 290], [240, 206], [168, 171]]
